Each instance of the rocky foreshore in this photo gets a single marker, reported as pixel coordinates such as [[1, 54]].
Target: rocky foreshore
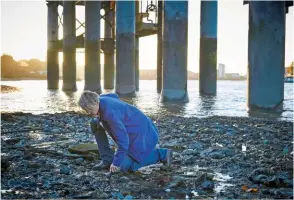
[[215, 157]]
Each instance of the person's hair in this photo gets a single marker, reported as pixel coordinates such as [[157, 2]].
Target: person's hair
[[88, 100]]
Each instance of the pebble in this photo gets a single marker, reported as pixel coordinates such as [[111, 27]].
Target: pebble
[[65, 170]]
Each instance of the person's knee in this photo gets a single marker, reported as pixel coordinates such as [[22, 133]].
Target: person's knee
[[126, 165]]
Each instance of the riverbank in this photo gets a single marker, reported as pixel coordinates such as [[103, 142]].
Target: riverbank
[[222, 157]]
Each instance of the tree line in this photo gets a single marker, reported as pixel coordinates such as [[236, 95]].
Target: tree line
[[289, 69], [32, 68]]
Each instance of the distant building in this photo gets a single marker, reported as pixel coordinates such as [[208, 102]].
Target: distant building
[[221, 71]]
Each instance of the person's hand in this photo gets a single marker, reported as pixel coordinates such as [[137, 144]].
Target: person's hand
[[113, 168]]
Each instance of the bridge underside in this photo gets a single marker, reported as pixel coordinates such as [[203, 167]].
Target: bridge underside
[[120, 45]]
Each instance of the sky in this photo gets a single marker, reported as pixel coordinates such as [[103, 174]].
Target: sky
[[24, 34]]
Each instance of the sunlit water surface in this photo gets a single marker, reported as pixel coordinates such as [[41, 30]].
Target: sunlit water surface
[[229, 101]]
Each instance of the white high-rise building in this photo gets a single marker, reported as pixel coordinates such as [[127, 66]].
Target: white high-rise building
[[221, 70]]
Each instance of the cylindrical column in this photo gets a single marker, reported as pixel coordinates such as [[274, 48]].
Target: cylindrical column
[[159, 47], [175, 39], [125, 48], [52, 51], [208, 47], [69, 48], [109, 55], [137, 67], [92, 46], [266, 54]]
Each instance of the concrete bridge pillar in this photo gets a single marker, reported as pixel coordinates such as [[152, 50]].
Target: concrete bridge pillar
[[92, 46], [52, 51], [208, 47], [159, 47], [125, 48], [109, 55], [137, 67], [175, 39], [266, 54], [137, 44], [69, 49]]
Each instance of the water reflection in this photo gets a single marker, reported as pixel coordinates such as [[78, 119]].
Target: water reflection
[[273, 114], [207, 103], [61, 101], [230, 100], [173, 108]]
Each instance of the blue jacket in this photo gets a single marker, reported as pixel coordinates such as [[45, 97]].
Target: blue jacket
[[132, 130]]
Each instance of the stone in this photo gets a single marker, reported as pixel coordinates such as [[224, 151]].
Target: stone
[[34, 165], [65, 170], [13, 140], [26, 183], [230, 133], [177, 181], [189, 160], [20, 144], [84, 148], [124, 179], [189, 152], [207, 185], [285, 193], [196, 145], [79, 160], [55, 131], [4, 164], [117, 195], [128, 197], [217, 153]]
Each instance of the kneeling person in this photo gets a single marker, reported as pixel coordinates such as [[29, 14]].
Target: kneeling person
[[134, 132]]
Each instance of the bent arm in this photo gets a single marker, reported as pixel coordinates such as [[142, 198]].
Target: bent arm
[[121, 136]]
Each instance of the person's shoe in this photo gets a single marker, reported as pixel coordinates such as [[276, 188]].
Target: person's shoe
[[102, 165], [168, 159]]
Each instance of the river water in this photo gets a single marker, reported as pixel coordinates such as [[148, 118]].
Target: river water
[[229, 101]]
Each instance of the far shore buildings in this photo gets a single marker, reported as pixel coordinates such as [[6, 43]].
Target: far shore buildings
[[221, 71], [232, 76]]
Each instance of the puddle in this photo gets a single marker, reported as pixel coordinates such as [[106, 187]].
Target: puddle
[[219, 178], [221, 186], [6, 191]]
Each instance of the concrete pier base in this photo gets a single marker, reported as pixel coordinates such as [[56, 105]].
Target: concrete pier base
[[108, 52], [92, 46], [175, 39], [266, 54], [52, 52], [69, 49], [125, 48], [208, 48]]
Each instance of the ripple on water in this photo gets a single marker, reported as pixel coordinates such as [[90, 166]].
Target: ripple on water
[[229, 101]]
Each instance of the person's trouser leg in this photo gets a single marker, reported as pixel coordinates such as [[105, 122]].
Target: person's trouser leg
[[157, 155], [106, 153]]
